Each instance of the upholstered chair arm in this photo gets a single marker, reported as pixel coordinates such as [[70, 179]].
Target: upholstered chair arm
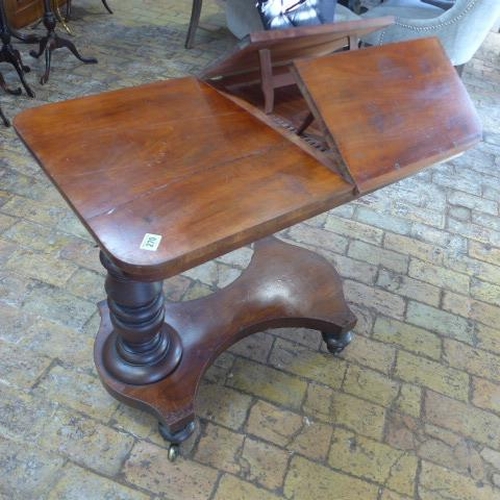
[[459, 30]]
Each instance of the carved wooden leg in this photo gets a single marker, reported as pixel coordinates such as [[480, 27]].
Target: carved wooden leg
[[108, 8]]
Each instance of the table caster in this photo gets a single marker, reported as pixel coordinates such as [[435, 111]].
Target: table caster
[[336, 343], [173, 452], [185, 438]]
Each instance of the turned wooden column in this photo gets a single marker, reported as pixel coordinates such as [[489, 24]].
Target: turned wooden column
[[142, 349]]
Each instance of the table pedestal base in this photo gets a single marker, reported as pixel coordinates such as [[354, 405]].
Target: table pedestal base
[[283, 286], [12, 56], [193, 23], [52, 41]]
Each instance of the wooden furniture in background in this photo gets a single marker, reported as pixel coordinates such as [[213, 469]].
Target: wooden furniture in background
[[52, 41], [11, 55], [21, 13], [184, 172], [194, 22]]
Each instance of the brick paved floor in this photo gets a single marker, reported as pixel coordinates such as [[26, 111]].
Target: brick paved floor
[[411, 410]]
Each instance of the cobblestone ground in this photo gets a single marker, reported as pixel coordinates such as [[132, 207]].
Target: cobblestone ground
[[410, 410]]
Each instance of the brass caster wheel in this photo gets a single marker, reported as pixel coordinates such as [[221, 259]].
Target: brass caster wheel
[[173, 452]]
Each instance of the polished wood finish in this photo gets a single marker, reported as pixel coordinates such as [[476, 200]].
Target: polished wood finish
[[178, 159], [21, 13], [417, 103], [162, 144], [171, 174], [142, 349], [284, 285]]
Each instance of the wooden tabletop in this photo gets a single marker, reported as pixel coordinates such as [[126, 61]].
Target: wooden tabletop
[[172, 174], [178, 160]]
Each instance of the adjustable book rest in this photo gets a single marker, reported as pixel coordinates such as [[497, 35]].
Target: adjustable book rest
[[341, 105], [266, 57], [186, 170]]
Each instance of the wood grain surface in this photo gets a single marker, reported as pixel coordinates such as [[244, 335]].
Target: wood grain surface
[[175, 159], [208, 174], [390, 110]]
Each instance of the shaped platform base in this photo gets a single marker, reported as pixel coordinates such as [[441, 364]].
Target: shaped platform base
[[283, 286]]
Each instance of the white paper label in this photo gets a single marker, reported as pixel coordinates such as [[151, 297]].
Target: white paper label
[[150, 242]]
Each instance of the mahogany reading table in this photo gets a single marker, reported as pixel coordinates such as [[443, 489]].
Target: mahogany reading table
[[168, 175]]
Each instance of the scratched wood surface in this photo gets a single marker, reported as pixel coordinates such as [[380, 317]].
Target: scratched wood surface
[[183, 161], [176, 159]]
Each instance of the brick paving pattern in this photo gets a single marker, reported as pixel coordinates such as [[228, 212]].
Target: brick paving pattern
[[410, 410]]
